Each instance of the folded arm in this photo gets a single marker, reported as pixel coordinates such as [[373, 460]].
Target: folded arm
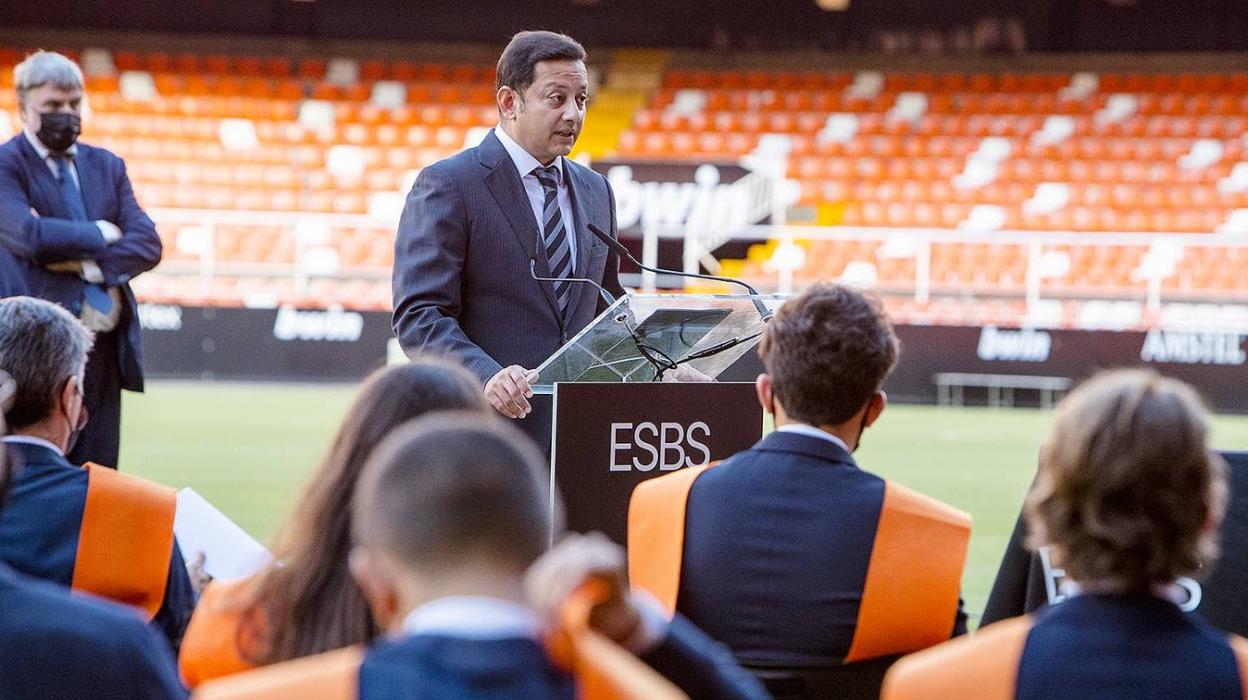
[[139, 248], [40, 239], [105, 252]]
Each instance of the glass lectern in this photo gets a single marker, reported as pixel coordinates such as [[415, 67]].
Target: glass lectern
[[644, 337]]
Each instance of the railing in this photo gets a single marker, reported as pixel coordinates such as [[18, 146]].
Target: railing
[[1046, 256]]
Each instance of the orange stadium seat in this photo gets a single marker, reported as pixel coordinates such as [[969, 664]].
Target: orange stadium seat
[[1121, 175]]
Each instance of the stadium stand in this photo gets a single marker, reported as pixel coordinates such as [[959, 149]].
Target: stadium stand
[[278, 180], [1114, 153]]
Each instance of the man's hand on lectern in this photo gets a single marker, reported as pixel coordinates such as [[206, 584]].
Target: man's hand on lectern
[[508, 391]]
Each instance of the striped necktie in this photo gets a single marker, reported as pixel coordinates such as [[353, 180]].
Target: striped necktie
[[555, 235]]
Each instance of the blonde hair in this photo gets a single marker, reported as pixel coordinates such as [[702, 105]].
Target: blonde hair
[[1128, 489]]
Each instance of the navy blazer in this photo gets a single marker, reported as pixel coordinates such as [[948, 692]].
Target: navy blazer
[[429, 666], [462, 285], [70, 647], [1109, 646], [432, 666], [33, 242], [777, 543], [39, 528]]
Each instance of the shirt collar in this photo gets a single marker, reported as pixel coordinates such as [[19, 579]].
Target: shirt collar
[[1171, 592], [31, 440], [473, 617], [524, 161], [812, 431], [43, 151]]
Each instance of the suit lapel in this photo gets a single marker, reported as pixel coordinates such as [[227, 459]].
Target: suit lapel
[[49, 188], [83, 161], [504, 184], [582, 198]]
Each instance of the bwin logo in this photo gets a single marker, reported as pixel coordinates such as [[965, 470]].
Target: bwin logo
[[333, 324], [1024, 345], [704, 204]]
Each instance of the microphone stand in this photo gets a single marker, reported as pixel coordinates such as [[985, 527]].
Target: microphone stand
[[621, 251], [658, 359]]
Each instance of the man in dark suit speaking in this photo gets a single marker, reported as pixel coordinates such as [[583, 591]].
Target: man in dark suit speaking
[[476, 224], [74, 234]]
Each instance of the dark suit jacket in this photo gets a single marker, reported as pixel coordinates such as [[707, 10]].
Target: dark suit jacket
[[39, 528], [1105, 646], [461, 265], [62, 646], [777, 543], [433, 666], [36, 241]]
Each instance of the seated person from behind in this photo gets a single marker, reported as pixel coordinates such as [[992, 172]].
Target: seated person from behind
[[73, 647], [283, 613], [450, 512], [92, 529], [1128, 499], [793, 556]]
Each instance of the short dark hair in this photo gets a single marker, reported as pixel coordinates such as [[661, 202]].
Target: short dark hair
[[1127, 482], [519, 60], [453, 487], [828, 351]]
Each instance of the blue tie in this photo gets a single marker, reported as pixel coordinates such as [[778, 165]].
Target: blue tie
[[69, 189], [93, 294]]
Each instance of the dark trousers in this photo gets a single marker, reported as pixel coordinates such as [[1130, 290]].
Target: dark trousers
[[100, 440]]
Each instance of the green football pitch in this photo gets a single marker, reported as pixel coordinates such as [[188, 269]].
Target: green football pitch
[[249, 448]]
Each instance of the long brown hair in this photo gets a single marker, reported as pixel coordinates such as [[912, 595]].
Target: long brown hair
[[308, 603]]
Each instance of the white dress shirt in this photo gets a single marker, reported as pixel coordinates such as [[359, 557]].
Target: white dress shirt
[[525, 163], [486, 618], [473, 617], [31, 440], [812, 431]]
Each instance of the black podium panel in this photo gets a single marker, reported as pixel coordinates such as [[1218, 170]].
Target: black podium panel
[[1026, 582], [610, 437]]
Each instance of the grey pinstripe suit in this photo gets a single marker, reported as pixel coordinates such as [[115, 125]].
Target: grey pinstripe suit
[[461, 267]]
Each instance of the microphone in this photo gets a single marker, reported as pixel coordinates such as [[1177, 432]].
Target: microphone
[[607, 296], [621, 251], [660, 365]]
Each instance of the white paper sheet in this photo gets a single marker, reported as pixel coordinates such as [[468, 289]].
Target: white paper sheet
[[230, 553]]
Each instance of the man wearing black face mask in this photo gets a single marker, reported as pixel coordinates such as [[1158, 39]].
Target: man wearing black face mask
[[70, 647], [73, 233], [815, 573], [91, 529]]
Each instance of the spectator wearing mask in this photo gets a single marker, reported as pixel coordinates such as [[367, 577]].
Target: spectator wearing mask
[[87, 528], [73, 233]]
